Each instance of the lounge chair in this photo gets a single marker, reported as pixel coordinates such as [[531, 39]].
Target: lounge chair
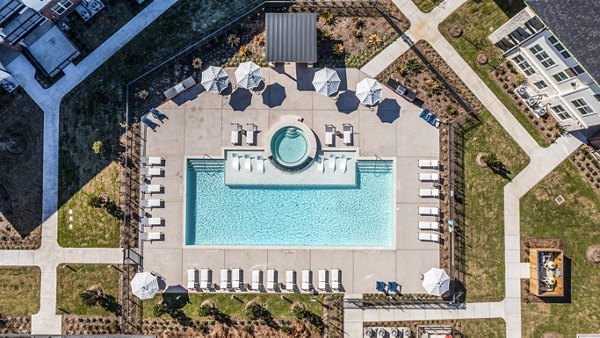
[[380, 286], [429, 177], [256, 281], [331, 162], [429, 225], [247, 163], [192, 280], [306, 280], [392, 287], [271, 279], [151, 188], [429, 193], [429, 164], [329, 134], [335, 279], [235, 162], [205, 279], [322, 279], [290, 280], [151, 203], [152, 236], [151, 171], [429, 211], [348, 131], [429, 237], [251, 133], [343, 163], [260, 164], [236, 130], [151, 221], [152, 160], [225, 282], [236, 278], [320, 167]]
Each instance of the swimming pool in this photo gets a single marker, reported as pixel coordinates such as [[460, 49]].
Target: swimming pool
[[220, 215]]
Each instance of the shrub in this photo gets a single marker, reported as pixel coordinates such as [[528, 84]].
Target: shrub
[[197, 63], [233, 40], [89, 298], [98, 147], [374, 40], [259, 39], [338, 49], [414, 66], [358, 22], [357, 33], [328, 18], [143, 94], [244, 51]]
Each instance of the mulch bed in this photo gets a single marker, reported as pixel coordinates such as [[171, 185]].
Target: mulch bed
[[527, 243], [588, 166], [15, 324]]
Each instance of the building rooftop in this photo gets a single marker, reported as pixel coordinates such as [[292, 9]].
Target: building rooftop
[[50, 48], [291, 37], [575, 23]]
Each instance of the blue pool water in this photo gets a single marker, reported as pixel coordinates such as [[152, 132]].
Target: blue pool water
[[289, 146], [219, 215]]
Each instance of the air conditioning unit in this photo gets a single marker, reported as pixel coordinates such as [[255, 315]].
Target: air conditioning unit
[[522, 91], [540, 111], [531, 102]]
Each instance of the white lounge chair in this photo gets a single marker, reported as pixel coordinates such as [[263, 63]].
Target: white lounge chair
[[151, 203], [260, 164], [151, 171], [152, 236], [331, 162], [235, 162], [343, 163], [429, 192], [319, 161], [251, 133], [151, 188], [205, 275], [322, 279], [152, 160], [236, 130], [225, 283], [423, 225], [236, 278], [191, 278], [256, 282], [329, 134], [335, 279], [290, 280], [271, 279], [348, 131], [151, 221], [429, 177], [429, 164], [429, 237], [247, 163], [306, 282], [429, 211]]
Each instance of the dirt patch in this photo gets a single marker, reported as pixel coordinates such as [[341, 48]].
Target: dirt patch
[[527, 243], [479, 160], [593, 253]]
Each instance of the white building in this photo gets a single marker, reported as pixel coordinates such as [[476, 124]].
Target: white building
[[554, 44]]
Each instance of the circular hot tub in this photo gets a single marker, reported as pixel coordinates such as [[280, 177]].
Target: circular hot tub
[[289, 146]]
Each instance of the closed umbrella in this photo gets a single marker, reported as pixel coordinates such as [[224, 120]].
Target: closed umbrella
[[248, 75], [214, 79], [368, 92], [436, 282], [144, 285], [326, 81]]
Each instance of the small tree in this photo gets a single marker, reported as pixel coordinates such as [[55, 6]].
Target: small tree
[[98, 147], [233, 40], [95, 201], [374, 40], [414, 66], [197, 63], [490, 160], [328, 18], [89, 298], [338, 49]]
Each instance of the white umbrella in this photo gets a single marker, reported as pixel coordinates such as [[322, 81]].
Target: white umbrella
[[368, 92], [436, 282], [144, 285], [248, 75], [214, 79], [326, 81]]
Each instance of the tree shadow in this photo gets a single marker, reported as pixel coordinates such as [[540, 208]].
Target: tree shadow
[[509, 7], [110, 304]]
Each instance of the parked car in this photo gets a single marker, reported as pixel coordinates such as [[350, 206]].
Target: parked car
[[400, 89]]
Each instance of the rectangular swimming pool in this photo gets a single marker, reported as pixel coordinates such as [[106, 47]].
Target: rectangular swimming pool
[[220, 215]]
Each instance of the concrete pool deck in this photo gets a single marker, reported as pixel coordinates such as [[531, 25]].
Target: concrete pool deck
[[198, 125]]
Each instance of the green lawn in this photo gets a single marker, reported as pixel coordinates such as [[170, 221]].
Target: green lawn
[[427, 5], [72, 279], [575, 222], [489, 328], [484, 209], [91, 227], [19, 290], [278, 307], [479, 19]]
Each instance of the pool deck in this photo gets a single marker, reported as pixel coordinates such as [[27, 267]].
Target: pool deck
[[198, 125]]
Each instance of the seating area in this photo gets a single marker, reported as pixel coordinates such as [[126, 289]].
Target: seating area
[[237, 131], [386, 288], [430, 118], [429, 229], [332, 163], [347, 134], [151, 169]]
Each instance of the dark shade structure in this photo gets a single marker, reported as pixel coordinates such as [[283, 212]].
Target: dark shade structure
[[291, 37]]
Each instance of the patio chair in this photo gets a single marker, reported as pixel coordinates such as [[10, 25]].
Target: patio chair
[[247, 163], [429, 177], [236, 278], [306, 280], [151, 203], [423, 225], [331, 162], [256, 280], [429, 211], [343, 163], [260, 164], [322, 279], [152, 236], [251, 130], [433, 164], [152, 160], [151, 188], [319, 164], [329, 134], [392, 286], [290, 280], [429, 193], [380, 286], [236, 130], [151, 171], [429, 237], [151, 221], [271, 279], [348, 132], [192, 280], [225, 283], [205, 278], [335, 279], [235, 162]]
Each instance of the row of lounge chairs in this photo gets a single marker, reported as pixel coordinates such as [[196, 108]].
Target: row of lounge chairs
[[151, 169], [347, 134], [426, 226], [233, 279], [331, 163], [430, 118], [247, 159], [237, 131]]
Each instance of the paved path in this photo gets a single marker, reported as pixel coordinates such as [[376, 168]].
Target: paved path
[[50, 254]]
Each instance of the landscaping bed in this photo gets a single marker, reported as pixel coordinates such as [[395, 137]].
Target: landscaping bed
[[19, 290], [15, 324], [466, 328], [427, 6], [587, 165]]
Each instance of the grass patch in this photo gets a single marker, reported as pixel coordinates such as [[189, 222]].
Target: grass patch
[[19, 290], [479, 19], [575, 223], [427, 6], [484, 208], [72, 279], [490, 328], [92, 227], [278, 307]]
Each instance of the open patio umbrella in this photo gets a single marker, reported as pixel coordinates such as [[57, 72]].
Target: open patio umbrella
[[436, 281], [326, 81], [214, 79], [144, 285], [248, 75], [368, 92]]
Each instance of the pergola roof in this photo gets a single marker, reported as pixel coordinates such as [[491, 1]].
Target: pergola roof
[[291, 37]]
